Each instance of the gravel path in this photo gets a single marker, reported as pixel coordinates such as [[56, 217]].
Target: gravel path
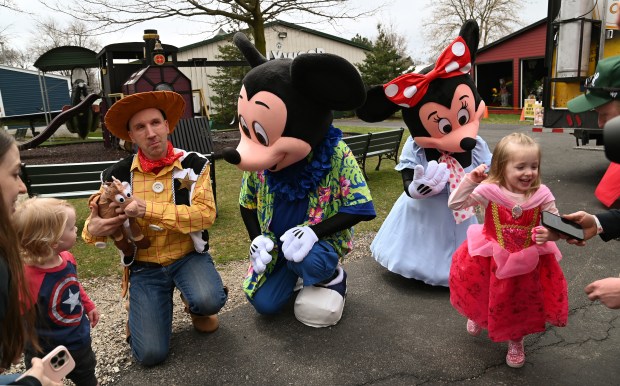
[[113, 353]]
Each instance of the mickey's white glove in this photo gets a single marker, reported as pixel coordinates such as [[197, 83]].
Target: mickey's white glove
[[297, 242], [259, 253], [429, 182]]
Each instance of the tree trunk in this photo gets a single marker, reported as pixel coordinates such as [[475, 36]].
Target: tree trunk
[[258, 30]]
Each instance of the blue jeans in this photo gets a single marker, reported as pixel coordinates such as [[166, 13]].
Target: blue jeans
[[150, 301], [7, 379], [275, 292]]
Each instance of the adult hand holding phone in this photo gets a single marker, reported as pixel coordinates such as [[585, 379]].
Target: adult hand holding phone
[[37, 371], [563, 226], [58, 363]]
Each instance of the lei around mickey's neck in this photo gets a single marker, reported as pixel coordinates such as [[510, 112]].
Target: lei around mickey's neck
[[294, 182]]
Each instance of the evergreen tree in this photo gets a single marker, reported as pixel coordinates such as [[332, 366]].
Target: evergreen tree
[[359, 39], [384, 62], [227, 84]]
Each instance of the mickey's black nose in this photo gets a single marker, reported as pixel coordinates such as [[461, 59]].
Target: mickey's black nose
[[231, 155]]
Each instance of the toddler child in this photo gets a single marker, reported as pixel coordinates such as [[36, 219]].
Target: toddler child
[[46, 232], [505, 277]]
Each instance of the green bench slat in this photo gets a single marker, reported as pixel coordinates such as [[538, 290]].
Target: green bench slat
[[194, 134], [37, 179], [358, 144], [50, 189], [35, 170], [382, 144]]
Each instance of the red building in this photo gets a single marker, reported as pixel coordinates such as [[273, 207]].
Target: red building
[[510, 69]]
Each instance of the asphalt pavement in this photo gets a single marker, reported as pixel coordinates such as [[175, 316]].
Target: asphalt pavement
[[398, 331]]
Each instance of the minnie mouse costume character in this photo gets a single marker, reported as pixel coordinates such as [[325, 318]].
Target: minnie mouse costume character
[[442, 110], [302, 189]]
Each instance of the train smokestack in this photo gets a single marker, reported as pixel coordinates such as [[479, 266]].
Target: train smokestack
[[151, 37]]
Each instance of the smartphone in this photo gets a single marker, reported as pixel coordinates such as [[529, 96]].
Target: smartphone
[[58, 363], [563, 226]]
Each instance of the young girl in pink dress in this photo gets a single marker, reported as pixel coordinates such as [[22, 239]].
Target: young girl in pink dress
[[505, 277]]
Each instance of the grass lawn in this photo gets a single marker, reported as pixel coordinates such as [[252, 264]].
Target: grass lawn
[[228, 237]]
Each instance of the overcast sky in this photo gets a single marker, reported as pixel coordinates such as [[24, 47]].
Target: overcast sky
[[406, 16]]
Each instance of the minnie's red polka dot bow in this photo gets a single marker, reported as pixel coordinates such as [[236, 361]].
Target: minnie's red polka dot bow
[[407, 90]]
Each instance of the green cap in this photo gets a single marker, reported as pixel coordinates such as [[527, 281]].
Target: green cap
[[601, 88]]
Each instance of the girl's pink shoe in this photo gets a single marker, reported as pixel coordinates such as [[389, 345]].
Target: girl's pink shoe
[[473, 328], [516, 355]]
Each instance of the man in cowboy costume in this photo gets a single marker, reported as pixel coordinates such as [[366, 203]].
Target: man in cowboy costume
[[173, 204]]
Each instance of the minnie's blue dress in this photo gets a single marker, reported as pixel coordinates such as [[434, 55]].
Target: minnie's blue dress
[[419, 236]]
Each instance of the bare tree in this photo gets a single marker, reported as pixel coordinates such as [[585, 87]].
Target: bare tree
[[8, 55], [9, 4], [52, 34], [115, 15], [12, 57], [396, 40], [496, 18]]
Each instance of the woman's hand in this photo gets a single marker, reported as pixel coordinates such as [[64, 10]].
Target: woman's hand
[[36, 371]]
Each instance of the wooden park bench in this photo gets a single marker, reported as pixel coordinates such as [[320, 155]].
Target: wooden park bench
[[382, 144], [72, 180], [78, 180], [385, 144], [194, 134], [359, 146]]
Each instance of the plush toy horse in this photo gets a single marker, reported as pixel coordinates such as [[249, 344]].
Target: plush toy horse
[[302, 189], [125, 239], [442, 110]]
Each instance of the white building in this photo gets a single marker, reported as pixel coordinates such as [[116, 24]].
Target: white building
[[284, 40]]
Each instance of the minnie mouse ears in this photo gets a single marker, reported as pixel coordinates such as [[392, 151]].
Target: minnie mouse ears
[[400, 92]]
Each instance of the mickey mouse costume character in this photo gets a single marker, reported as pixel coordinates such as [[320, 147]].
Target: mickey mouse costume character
[[302, 190], [442, 110]]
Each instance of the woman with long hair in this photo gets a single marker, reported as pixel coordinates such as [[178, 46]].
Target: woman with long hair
[[16, 321]]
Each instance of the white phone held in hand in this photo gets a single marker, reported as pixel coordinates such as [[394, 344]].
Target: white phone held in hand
[[58, 364]]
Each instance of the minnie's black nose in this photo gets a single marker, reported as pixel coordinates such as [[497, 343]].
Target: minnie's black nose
[[468, 143], [231, 155]]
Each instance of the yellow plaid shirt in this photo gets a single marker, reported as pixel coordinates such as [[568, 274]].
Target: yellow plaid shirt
[[173, 241]]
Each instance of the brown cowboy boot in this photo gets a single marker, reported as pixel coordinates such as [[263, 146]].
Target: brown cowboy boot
[[203, 323]]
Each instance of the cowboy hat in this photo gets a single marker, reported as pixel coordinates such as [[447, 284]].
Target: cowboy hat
[[118, 116]]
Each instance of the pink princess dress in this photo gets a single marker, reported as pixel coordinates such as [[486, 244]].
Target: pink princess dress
[[499, 277]]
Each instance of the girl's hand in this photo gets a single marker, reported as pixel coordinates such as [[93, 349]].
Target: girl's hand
[[541, 235], [478, 174], [93, 316]]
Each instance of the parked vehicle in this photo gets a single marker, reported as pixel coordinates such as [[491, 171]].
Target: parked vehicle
[[579, 34]]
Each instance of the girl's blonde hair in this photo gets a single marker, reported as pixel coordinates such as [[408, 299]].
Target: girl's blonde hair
[[39, 224], [502, 155]]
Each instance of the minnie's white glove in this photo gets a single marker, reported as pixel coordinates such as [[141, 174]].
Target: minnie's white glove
[[429, 182], [297, 242], [259, 253]]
